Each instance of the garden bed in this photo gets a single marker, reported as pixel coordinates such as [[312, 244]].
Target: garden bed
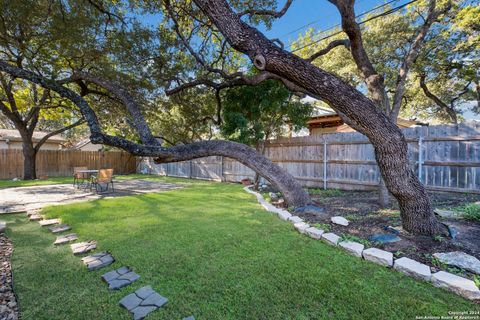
[[367, 218]]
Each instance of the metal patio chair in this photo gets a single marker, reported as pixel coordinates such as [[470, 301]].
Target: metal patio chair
[[78, 177], [104, 177]]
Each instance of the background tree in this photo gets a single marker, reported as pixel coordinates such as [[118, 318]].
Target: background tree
[[252, 115]]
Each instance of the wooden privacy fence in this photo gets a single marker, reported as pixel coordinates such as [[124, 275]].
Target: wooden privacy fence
[[60, 162], [445, 158]]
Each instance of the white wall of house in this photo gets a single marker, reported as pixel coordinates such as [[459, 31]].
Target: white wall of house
[[18, 145]]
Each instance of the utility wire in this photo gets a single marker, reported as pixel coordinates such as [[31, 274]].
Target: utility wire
[[383, 14], [318, 20]]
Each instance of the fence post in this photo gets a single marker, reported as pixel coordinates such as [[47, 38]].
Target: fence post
[[223, 175], [190, 169], [420, 158], [324, 163]]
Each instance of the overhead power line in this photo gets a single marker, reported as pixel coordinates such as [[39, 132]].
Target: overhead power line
[[318, 20], [383, 14]]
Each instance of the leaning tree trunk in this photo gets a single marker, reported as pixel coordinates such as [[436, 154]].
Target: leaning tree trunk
[[388, 141], [29, 161]]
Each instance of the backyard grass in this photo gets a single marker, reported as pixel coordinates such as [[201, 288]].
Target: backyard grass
[[215, 254]]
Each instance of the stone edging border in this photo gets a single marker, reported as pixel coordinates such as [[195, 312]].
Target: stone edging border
[[459, 285]]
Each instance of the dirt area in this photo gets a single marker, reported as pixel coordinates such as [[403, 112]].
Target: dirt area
[[366, 218]]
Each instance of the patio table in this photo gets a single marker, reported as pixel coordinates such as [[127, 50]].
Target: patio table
[[88, 174]]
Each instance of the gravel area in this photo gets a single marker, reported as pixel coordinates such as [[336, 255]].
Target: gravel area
[[8, 301]]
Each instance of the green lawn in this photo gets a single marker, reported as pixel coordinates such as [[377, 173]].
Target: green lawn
[[61, 180], [215, 254]]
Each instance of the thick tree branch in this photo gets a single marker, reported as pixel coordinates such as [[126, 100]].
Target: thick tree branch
[[131, 105]]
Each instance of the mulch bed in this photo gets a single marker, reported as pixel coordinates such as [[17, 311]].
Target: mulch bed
[[8, 301], [366, 218]]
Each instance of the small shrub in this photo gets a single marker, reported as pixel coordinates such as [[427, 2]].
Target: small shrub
[[476, 279], [325, 192], [471, 212]]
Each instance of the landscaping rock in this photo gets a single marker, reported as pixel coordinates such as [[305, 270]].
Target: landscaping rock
[[98, 260], [460, 259], [352, 247], [83, 247], [3, 226], [447, 214], [142, 302], [330, 238], [301, 227], [295, 219], [59, 228], [284, 214], [413, 268], [384, 238], [66, 239], [35, 217], [120, 278], [310, 209], [381, 257], [48, 222], [314, 233], [340, 220], [464, 287]]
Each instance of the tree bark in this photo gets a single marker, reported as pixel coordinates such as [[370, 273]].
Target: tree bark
[[29, 160], [388, 141]]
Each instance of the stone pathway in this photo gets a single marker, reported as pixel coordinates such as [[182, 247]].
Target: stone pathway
[[83, 247], [66, 239], [60, 228], [120, 278], [98, 260], [48, 222], [142, 302]]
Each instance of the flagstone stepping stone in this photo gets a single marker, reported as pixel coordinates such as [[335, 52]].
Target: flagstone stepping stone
[[413, 268], [384, 238], [35, 217], [32, 212], [381, 257], [314, 233], [3, 226], [98, 260], [301, 227], [83, 247], [120, 278], [66, 239], [48, 222], [340, 221], [464, 287], [60, 228], [142, 302], [460, 259], [330, 238], [352, 247], [295, 219]]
